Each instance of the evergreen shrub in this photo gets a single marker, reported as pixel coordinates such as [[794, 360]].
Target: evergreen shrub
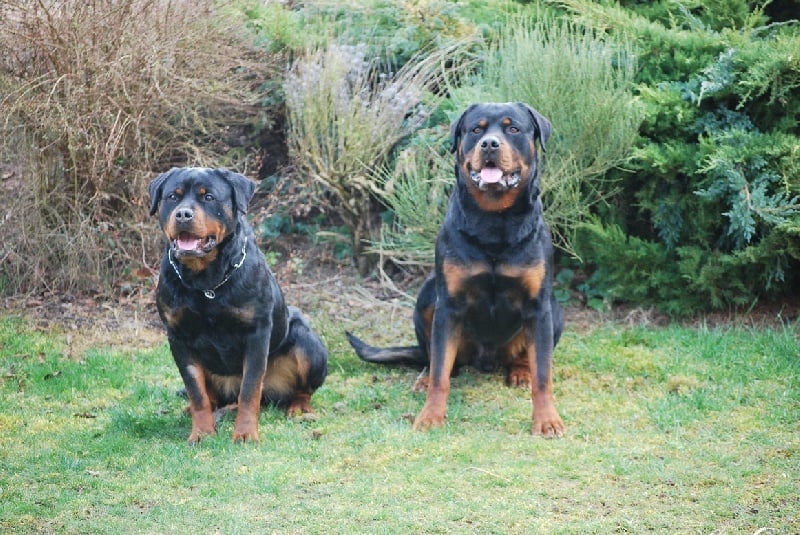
[[713, 191]]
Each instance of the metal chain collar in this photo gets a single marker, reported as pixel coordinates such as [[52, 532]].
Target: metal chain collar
[[210, 294]]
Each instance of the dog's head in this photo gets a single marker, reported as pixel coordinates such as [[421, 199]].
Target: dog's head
[[199, 208], [496, 151]]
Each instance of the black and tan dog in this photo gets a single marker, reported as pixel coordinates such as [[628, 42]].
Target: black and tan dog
[[232, 336], [489, 302]]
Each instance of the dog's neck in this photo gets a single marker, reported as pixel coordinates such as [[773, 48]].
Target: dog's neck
[[232, 249], [497, 230]]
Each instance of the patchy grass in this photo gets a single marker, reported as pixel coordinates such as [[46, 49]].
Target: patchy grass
[[672, 430]]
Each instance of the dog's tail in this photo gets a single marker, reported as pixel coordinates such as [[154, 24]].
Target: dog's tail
[[408, 355]]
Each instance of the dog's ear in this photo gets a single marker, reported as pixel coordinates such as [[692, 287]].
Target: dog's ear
[[457, 126], [156, 188], [542, 124], [243, 188]]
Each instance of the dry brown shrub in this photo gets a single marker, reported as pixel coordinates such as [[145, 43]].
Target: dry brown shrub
[[94, 98], [346, 115]]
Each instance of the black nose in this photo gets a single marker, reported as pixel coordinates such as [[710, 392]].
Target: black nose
[[490, 143], [183, 215]]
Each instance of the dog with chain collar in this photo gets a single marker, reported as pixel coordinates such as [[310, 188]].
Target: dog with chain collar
[[232, 336]]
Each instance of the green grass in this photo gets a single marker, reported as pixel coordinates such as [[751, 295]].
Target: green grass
[[670, 430]]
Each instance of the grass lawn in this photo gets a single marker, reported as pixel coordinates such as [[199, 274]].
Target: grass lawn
[[669, 430]]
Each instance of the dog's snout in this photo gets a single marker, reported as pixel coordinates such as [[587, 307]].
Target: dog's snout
[[184, 215], [490, 143]]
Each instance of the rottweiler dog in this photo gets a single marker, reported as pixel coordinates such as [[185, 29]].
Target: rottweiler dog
[[489, 302], [233, 338]]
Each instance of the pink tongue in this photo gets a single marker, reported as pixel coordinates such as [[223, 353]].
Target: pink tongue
[[187, 242], [491, 175]]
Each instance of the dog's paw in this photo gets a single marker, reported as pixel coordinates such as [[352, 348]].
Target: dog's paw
[[429, 418], [245, 429], [300, 406], [198, 434], [548, 425], [203, 424], [519, 377], [245, 435]]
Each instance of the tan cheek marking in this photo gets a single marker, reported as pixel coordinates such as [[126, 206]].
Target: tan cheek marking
[[509, 158], [206, 226], [473, 157], [169, 228], [531, 277], [513, 160], [201, 226]]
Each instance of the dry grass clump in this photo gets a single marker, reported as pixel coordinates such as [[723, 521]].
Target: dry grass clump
[[96, 97], [417, 187], [346, 114]]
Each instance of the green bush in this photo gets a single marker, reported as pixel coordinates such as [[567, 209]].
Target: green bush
[[713, 190], [391, 30]]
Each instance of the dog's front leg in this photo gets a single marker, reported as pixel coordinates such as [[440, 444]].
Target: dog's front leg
[[255, 366], [445, 341], [546, 421], [200, 403]]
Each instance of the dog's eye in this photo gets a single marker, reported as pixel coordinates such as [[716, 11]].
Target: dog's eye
[[513, 129], [208, 197], [477, 130], [172, 196]]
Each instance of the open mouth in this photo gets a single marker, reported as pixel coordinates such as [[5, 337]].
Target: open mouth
[[187, 244], [490, 175]]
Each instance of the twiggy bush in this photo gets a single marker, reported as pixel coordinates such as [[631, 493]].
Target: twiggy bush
[[582, 83], [345, 117], [417, 188], [101, 94]]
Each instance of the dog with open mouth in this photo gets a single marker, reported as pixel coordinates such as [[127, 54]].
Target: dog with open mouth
[[232, 336], [489, 302]]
